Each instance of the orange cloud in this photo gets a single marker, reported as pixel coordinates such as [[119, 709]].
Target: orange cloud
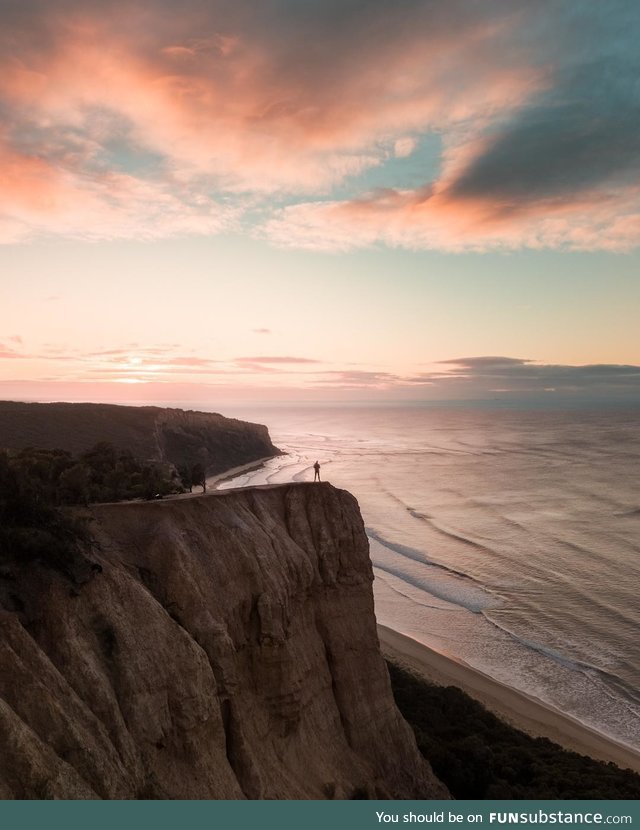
[[221, 104], [135, 121], [41, 196], [438, 221]]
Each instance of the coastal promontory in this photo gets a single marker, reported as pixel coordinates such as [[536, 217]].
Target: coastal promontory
[[221, 646], [150, 433]]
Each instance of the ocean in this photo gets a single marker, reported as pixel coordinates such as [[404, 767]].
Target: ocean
[[509, 540]]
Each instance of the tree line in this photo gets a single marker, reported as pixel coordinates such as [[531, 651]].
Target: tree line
[[100, 474], [479, 756], [37, 486]]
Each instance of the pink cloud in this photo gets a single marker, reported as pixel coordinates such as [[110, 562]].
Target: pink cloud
[[227, 105], [436, 220], [275, 360], [7, 353], [37, 195]]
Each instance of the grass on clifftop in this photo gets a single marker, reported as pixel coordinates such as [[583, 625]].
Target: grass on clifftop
[[479, 756]]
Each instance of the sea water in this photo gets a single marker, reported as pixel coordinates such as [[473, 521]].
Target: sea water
[[509, 540]]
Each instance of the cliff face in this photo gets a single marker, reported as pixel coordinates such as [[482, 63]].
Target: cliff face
[[227, 649], [149, 432]]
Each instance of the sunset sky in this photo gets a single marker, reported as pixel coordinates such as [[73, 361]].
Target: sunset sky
[[241, 201]]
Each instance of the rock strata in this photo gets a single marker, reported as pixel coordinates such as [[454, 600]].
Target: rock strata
[[221, 646]]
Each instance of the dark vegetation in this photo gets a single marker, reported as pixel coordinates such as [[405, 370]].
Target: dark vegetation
[[102, 473], [39, 487], [193, 477], [32, 526], [479, 756]]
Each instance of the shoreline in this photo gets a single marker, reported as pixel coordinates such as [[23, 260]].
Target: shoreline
[[518, 709], [232, 472]]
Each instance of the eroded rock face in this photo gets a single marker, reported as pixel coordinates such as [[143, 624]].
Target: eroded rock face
[[227, 649]]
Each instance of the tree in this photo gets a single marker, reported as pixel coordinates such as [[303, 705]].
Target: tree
[[199, 476], [73, 485], [185, 477], [32, 527], [151, 482], [101, 458]]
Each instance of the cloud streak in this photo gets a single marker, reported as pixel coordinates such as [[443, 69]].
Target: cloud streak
[[507, 376], [7, 353], [161, 363], [276, 360]]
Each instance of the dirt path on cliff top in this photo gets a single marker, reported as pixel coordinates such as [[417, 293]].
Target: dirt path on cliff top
[[228, 490], [215, 492]]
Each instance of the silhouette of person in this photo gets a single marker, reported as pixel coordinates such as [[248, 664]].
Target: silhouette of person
[[316, 471]]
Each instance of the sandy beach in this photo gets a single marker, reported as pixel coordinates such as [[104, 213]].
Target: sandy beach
[[516, 708], [214, 482]]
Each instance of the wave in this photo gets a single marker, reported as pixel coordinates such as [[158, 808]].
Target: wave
[[631, 697], [443, 531], [413, 554], [454, 609], [634, 512], [451, 534], [461, 590], [436, 579]]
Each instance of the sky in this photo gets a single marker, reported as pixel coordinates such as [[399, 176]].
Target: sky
[[320, 201]]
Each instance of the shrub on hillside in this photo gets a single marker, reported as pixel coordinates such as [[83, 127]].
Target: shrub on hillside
[[479, 756], [38, 486]]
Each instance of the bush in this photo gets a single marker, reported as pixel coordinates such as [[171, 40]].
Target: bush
[[32, 527], [479, 756]]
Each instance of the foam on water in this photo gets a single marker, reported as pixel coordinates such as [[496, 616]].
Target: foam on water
[[437, 580]]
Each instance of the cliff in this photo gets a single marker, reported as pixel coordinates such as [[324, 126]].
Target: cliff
[[151, 433], [221, 646]]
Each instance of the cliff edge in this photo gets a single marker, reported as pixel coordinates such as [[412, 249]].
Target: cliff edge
[[222, 646]]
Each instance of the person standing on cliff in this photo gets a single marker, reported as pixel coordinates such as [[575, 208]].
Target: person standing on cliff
[[316, 471]]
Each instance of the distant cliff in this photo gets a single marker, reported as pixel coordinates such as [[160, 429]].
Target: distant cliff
[[150, 432], [221, 646]]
